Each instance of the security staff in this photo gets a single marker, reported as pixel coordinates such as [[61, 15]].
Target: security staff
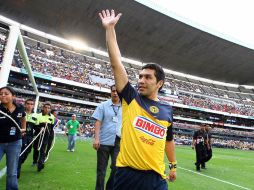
[[199, 145], [36, 143], [51, 135], [208, 144], [31, 119], [46, 121]]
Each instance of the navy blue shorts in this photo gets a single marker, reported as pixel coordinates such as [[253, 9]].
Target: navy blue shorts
[[127, 178]]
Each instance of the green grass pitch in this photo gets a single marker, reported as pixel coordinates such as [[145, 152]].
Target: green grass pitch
[[228, 170]]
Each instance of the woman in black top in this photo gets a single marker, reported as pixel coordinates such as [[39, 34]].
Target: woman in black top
[[12, 125]]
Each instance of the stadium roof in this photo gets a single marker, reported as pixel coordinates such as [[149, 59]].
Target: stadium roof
[[143, 34]]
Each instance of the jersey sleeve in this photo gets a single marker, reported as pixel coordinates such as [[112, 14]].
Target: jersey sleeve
[[128, 93], [170, 136]]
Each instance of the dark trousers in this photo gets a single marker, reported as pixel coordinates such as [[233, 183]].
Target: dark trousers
[[200, 155], [131, 179], [103, 154], [209, 153], [35, 147], [50, 141], [26, 140], [42, 151]]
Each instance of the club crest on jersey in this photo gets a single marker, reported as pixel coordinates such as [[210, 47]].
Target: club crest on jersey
[[154, 109], [149, 127]]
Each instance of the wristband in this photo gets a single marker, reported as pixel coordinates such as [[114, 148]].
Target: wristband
[[173, 166]]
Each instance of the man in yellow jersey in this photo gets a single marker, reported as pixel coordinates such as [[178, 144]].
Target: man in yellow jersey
[[146, 122]]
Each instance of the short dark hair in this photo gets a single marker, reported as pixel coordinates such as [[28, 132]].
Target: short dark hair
[[159, 72], [12, 91], [29, 100], [46, 104], [112, 86], [53, 110]]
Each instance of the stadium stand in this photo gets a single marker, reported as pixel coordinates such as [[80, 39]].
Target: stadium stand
[[68, 79]]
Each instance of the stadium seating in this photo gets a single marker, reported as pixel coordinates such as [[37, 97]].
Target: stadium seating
[[65, 64]]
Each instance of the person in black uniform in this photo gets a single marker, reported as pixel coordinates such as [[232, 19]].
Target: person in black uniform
[[198, 144], [28, 137], [36, 144], [12, 126], [51, 135], [46, 120], [208, 144]]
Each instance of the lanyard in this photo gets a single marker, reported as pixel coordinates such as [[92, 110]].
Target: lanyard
[[113, 107]]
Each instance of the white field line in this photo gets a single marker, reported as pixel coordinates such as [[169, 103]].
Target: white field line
[[214, 178]]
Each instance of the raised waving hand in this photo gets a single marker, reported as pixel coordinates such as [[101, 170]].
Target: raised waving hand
[[108, 18]]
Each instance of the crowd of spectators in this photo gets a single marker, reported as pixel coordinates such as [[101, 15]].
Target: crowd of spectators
[[62, 63], [63, 107], [217, 105], [234, 144], [2, 44], [214, 130], [216, 142], [88, 130]]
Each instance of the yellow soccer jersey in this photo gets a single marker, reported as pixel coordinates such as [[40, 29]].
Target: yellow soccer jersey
[[146, 125]]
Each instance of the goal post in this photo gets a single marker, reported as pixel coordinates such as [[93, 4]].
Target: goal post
[[14, 40], [8, 55]]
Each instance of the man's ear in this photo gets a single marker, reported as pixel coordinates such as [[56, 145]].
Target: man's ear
[[160, 83]]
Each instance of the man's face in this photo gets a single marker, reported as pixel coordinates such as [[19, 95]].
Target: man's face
[[202, 128], [147, 83], [114, 95], [73, 117], [46, 109], [29, 106], [207, 128], [54, 113]]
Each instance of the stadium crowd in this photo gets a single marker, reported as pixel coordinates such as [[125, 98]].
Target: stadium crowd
[[2, 44], [216, 142], [62, 106], [224, 131], [61, 63]]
